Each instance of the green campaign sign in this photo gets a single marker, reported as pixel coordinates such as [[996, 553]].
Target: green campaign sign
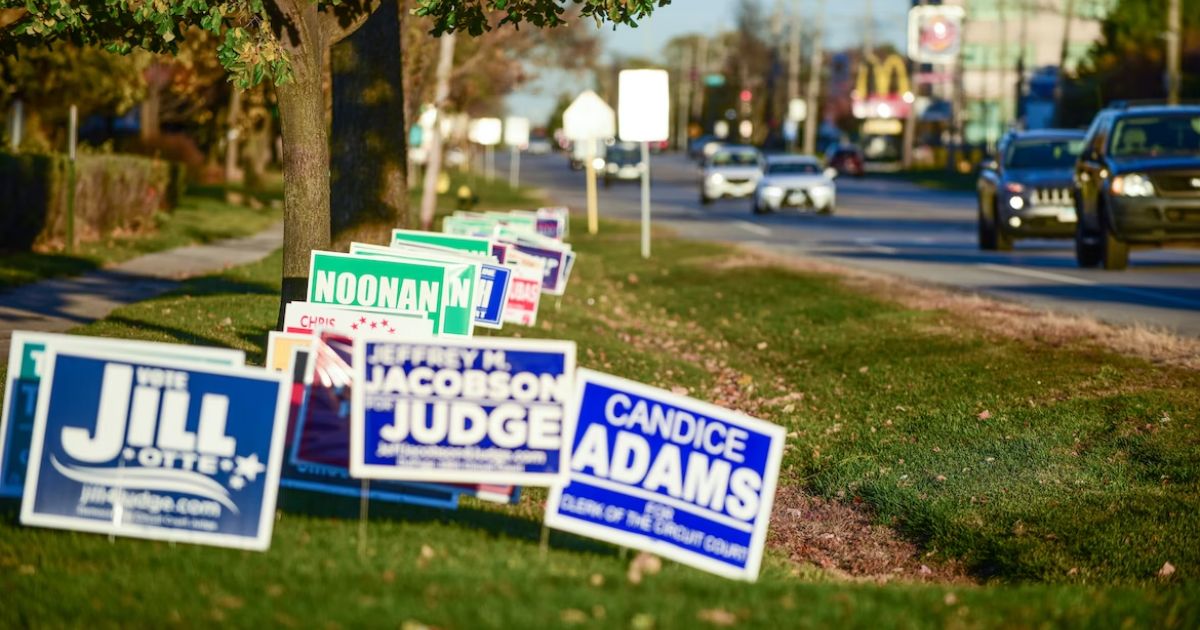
[[443, 290], [469, 244], [467, 226]]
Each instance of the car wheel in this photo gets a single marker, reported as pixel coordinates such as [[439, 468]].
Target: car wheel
[[987, 231], [1087, 248], [607, 182], [825, 209], [1114, 252], [705, 199]]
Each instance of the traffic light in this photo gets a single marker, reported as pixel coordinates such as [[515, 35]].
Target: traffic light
[[745, 96]]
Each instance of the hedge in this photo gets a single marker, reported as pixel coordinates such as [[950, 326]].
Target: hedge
[[114, 194]]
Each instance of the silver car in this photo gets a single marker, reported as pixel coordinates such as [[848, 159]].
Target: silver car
[[795, 181], [731, 171]]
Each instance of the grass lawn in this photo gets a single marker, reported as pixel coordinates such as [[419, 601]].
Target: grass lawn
[[1060, 479], [202, 217]]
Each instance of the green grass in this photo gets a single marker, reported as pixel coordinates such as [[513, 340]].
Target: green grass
[[202, 217], [1063, 500]]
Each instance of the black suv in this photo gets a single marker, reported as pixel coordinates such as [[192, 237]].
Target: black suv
[[1027, 190], [1137, 183]]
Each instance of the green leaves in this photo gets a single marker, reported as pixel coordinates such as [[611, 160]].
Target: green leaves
[[471, 15]]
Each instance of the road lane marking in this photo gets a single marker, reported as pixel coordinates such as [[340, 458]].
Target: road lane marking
[[1042, 275], [869, 245], [1045, 275], [752, 228]]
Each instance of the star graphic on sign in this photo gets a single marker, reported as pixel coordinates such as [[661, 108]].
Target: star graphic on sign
[[362, 320], [354, 326], [374, 325], [237, 483], [226, 465], [383, 322], [249, 467], [391, 331]]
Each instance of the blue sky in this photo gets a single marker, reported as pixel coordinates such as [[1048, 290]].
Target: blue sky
[[844, 27]]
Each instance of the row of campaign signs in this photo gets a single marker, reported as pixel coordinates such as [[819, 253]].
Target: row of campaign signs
[[378, 390]]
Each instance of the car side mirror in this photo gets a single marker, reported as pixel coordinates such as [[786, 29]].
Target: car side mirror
[[830, 172], [990, 164]]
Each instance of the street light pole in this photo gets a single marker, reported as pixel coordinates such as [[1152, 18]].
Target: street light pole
[[814, 84]]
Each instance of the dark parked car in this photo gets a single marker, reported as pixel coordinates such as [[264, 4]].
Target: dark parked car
[[1027, 191], [622, 161], [1138, 183], [847, 159]]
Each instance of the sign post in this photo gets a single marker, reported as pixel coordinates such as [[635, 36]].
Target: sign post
[[516, 136], [644, 109], [589, 119], [486, 131]]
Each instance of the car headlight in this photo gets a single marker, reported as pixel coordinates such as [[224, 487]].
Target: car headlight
[[772, 191], [1132, 185], [716, 178], [1016, 202], [598, 164]]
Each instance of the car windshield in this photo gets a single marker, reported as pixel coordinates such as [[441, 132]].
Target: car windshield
[[793, 168], [747, 157], [1043, 153], [1149, 136], [622, 155]]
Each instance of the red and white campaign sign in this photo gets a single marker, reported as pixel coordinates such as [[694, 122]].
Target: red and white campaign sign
[[523, 297], [305, 317]]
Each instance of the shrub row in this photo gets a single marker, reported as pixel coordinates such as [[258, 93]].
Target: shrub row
[[114, 194]]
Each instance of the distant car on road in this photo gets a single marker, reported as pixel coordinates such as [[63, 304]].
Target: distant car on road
[[539, 146], [1138, 183], [731, 171], [1026, 191], [696, 146], [847, 159], [795, 181], [622, 161]]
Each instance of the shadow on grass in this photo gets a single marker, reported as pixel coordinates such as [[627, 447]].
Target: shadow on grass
[[18, 268], [498, 522]]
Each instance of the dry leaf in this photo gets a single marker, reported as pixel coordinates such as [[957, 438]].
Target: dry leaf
[[680, 390], [1167, 570], [573, 616], [984, 415], [950, 599], [596, 580], [717, 616], [762, 345]]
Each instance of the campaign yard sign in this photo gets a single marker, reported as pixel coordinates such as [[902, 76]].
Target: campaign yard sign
[[523, 297], [164, 450], [445, 291], [306, 318], [554, 271], [492, 280], [668, 474], [468, 244], [484, 410], [318, 434], [26, 365]]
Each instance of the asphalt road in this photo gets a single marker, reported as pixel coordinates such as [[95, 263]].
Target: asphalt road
[[902, 229]]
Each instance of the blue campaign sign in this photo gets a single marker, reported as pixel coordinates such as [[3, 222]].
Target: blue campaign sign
[[318, 433], [485, 410], [670, 475], [156, 449], [494, 281], [23, 382]]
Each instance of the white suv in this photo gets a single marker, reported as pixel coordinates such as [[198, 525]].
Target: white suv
[[732, 171]]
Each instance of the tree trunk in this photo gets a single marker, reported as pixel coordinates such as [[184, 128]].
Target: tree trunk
[[369, 145], [149, 118], [233, 136], [433, 153], [305, 167]]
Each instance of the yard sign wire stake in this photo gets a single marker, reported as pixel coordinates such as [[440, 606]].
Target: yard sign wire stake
[[364, 505], [544, 541]]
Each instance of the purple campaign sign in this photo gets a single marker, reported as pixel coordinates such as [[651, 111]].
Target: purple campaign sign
[[552, 280]]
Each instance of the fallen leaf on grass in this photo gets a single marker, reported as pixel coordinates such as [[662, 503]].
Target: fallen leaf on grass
[[643, 564], [950, 599], [573, 616], [642, 621], [596, 580], [717, 616], [984, 415], [680, 390], [762, 345], [1167, 570]]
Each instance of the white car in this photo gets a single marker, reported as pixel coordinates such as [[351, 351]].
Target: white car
[[731, 171], [795, 181]]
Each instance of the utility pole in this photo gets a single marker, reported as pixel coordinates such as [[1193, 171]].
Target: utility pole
[[814, 83], [1059, 82], [1172, 35], [433, 156], [910, 121], [795, 59], [701, 72], [686, 65], [1024, 39]]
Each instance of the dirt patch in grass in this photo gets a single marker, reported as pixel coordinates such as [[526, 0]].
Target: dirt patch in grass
[[842, 539], [1006, 319]]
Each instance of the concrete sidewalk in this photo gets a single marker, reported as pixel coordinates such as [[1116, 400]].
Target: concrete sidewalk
[[61, 304]]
